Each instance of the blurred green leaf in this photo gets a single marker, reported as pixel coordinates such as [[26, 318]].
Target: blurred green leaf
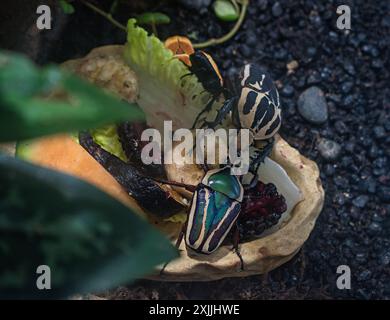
[[66, 7], [36, 102], [90, 241], [225, 10], [153, 18]]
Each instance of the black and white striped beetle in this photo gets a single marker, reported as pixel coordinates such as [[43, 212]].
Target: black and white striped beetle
[[254, 105], [258, 107]]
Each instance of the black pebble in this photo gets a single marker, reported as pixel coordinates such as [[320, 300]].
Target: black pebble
[[277, 9], [262, 4], [251, 39], [377, 64], [379, 132], [360, 201], [374, 228], [311, 51], [287, 91], [346, 87], [246, 51], [314, 78]]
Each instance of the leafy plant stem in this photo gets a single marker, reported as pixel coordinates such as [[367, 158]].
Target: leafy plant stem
[[108, 16], [154, 29], [113, 7], [235, 5], [230, 34]]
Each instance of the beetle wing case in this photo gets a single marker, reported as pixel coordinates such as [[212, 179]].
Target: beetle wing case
[[215, 208], [211, 217]]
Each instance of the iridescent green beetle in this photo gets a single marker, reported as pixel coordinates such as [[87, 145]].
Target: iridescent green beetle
[[215, 207]]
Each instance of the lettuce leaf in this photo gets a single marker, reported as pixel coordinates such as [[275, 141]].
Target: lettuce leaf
[[108, 139], [180, 217], [165, 94]]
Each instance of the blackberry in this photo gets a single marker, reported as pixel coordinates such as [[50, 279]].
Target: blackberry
[[261, 209]]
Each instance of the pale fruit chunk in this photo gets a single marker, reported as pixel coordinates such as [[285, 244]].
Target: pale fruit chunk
[[63, 153]]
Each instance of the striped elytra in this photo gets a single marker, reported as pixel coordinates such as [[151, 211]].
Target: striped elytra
[[214, 210], [207, 72], [258, 107]]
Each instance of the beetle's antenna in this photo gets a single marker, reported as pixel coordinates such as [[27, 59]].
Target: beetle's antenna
[[188, 187]]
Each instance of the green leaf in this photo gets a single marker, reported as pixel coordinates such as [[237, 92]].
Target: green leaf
[[90, 241], [107, 137], [225, 10], [36, 102], [66, 7], [153, 18], [166, 90]]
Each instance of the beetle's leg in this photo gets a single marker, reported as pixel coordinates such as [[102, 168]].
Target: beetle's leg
[[205, 167], [257, 157], [236, 241], [177, 244], [227, 106], [232, 87], [227, 93], [252, 182], [186, 75], [207, 108], [188, 187]]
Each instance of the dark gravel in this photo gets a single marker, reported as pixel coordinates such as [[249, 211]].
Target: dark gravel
[[352, 69]]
